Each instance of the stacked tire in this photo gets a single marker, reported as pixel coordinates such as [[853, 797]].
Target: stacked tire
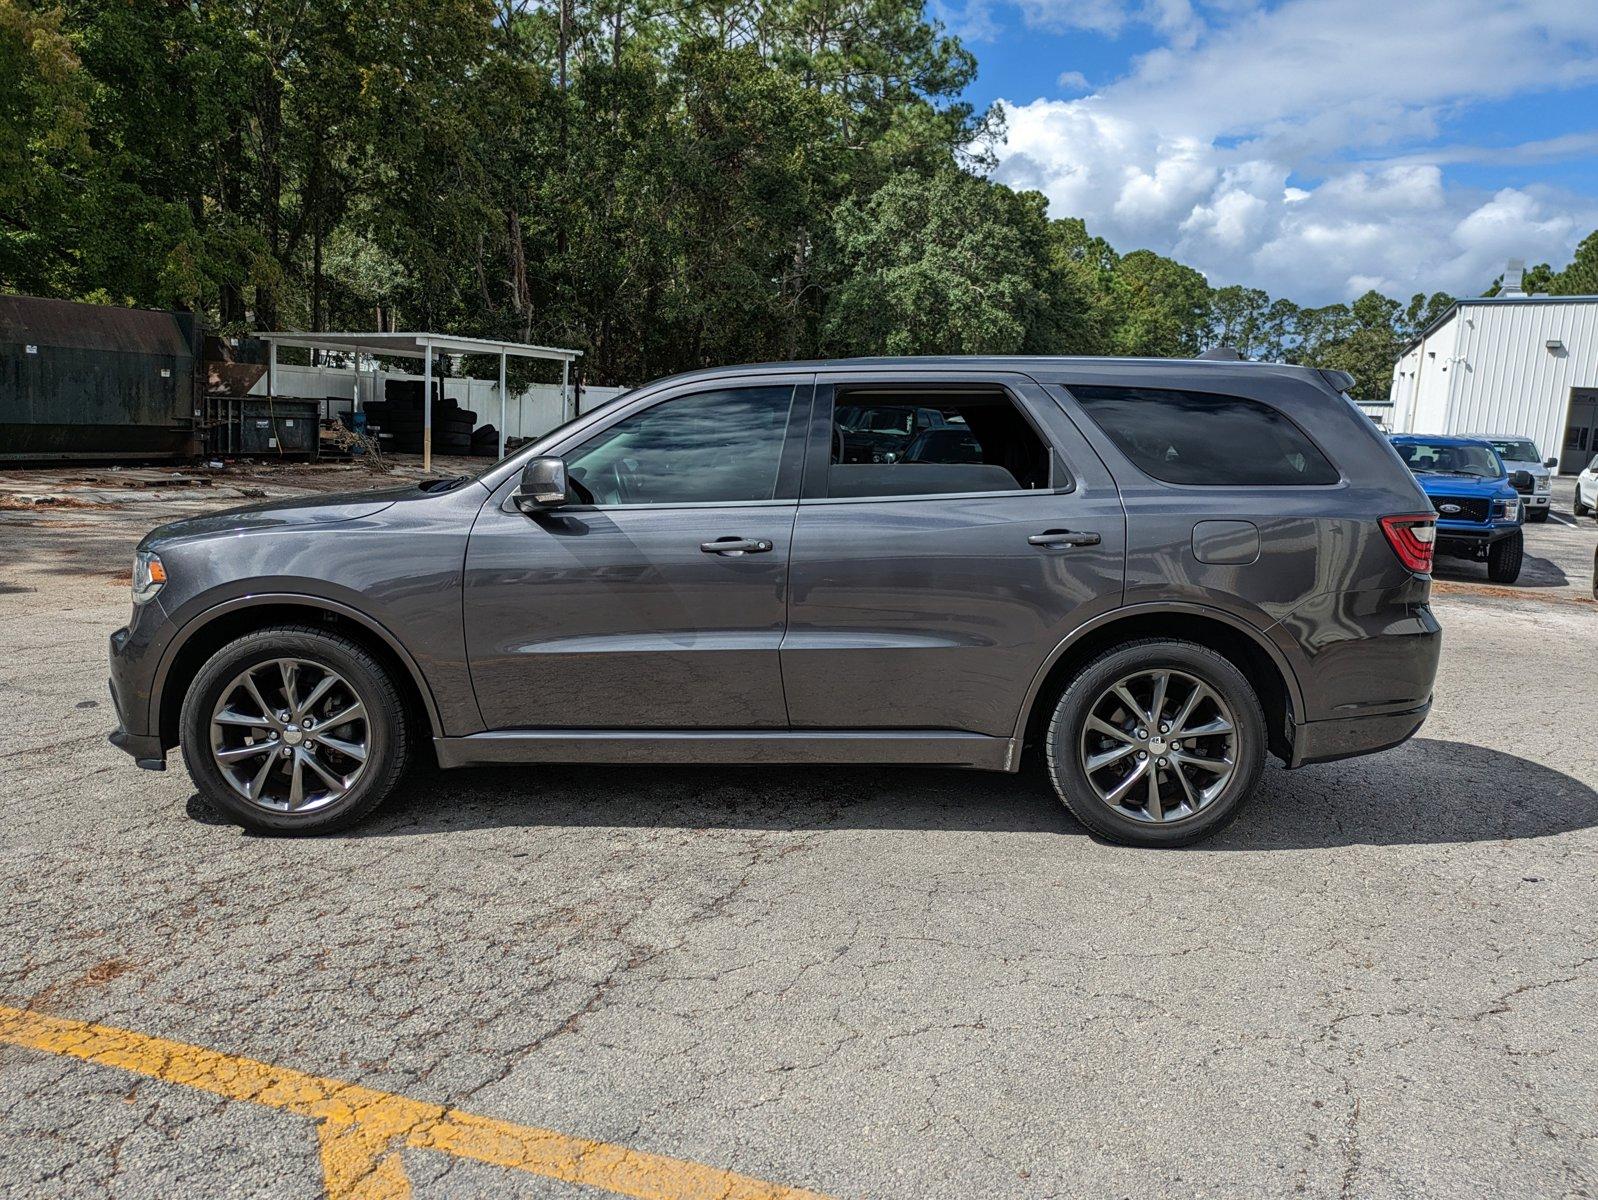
[[399, 421]]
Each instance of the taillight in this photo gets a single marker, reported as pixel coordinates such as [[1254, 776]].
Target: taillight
[[1413, 537]]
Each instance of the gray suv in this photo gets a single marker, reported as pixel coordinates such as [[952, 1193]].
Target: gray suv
[[1151, 573]]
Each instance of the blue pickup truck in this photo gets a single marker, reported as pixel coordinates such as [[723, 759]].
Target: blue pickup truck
[[1479, 512]]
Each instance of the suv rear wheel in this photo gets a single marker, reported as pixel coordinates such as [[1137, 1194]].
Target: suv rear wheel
[[1158, 743], [294, 730], [1504, 558]]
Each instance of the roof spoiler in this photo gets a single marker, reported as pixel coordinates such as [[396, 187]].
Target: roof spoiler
[[1341, 381]]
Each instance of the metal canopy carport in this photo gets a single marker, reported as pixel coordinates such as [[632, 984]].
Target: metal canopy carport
[[422, 346]]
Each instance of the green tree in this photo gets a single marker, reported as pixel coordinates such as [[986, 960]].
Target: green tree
[[950, 264], [1580, 278], [1161, 308]]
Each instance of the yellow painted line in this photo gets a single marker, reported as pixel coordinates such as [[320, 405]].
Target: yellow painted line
[[362, 1131]]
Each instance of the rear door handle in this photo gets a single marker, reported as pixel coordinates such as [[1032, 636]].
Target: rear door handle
[[736, 545], [1063, 537]]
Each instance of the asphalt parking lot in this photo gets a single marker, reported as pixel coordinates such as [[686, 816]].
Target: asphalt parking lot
[[1380, 981]]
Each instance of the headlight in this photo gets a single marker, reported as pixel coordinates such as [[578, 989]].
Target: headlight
[[148, 576], [1543, 483], [1511, 510]]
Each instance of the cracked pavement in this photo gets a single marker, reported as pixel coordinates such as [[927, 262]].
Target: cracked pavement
[[879, 982]]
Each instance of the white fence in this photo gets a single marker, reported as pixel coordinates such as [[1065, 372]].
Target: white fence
[[529, 414]]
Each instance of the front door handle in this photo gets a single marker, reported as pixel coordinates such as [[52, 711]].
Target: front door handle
[[736, 545], [1063, 537]]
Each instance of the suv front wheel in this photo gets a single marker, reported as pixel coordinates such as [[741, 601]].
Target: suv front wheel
[[1158, 743], [294, 730]]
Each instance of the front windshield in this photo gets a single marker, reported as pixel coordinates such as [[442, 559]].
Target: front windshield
[[1517, 450], [1427, 458]]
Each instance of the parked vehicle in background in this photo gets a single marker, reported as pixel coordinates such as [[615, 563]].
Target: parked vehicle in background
[[1520, 454], [1479, 511], [1586, 500], [1151, 573]]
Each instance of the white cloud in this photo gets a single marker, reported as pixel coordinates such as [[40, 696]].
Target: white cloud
[[1192, 152], [1073, 81]]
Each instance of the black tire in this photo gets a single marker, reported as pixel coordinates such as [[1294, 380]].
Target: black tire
[[1504, 558], [388, 735], [1577, 507], [1538, 515], [1070, 780]]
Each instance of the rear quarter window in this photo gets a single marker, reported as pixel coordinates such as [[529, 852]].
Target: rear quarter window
[[1205, 439]]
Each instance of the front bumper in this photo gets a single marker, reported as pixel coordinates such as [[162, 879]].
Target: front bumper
[[132, 662], [1348, 737], [1469, 535]]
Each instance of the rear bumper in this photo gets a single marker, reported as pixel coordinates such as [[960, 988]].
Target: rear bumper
[[1348, 737]]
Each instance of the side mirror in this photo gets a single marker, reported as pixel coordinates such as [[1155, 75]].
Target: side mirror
[[1520, 481], [543, 484], [1550, 462]]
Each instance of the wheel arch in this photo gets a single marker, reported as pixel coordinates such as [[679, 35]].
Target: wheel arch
[[208, 632], [1248, 648]]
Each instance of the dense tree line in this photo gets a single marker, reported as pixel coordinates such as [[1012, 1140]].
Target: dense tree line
[[663, 185]]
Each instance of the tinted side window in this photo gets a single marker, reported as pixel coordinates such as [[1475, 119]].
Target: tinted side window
[[1205, 438], [919, 443], [706, 448]]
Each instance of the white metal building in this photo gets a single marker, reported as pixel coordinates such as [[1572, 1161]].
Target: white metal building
[[1511, 364]]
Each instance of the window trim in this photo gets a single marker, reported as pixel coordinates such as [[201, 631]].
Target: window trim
[[1064, 390], [813, 488], [800, 401]]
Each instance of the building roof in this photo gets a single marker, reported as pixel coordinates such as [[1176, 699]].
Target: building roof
[[1448, 313]]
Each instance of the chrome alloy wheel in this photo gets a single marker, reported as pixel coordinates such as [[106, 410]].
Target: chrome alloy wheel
[[1158, 746], [290, 735]]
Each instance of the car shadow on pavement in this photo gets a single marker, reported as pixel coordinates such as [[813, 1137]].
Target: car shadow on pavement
[[1535, 572], [1424, 792]]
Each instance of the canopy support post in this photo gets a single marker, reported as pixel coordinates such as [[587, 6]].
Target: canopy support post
[[567, 407], [427, 408], [501, 404]]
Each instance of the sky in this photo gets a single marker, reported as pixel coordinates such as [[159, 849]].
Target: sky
[[1313, 148]]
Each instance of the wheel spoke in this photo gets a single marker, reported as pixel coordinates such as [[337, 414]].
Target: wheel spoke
[[231, 716], [1098, 762], [1187, 788], [343, 718], [242, 752], [297, 781], [267, 710], [288, 670], [332, 780], [323, 686], [1161, 682], [258, 784], [1111, 731], [353, 749], [1121, 790], [1208, 729], [1179, 725], [1215, 766], [1152, 808], [1132, 705]]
